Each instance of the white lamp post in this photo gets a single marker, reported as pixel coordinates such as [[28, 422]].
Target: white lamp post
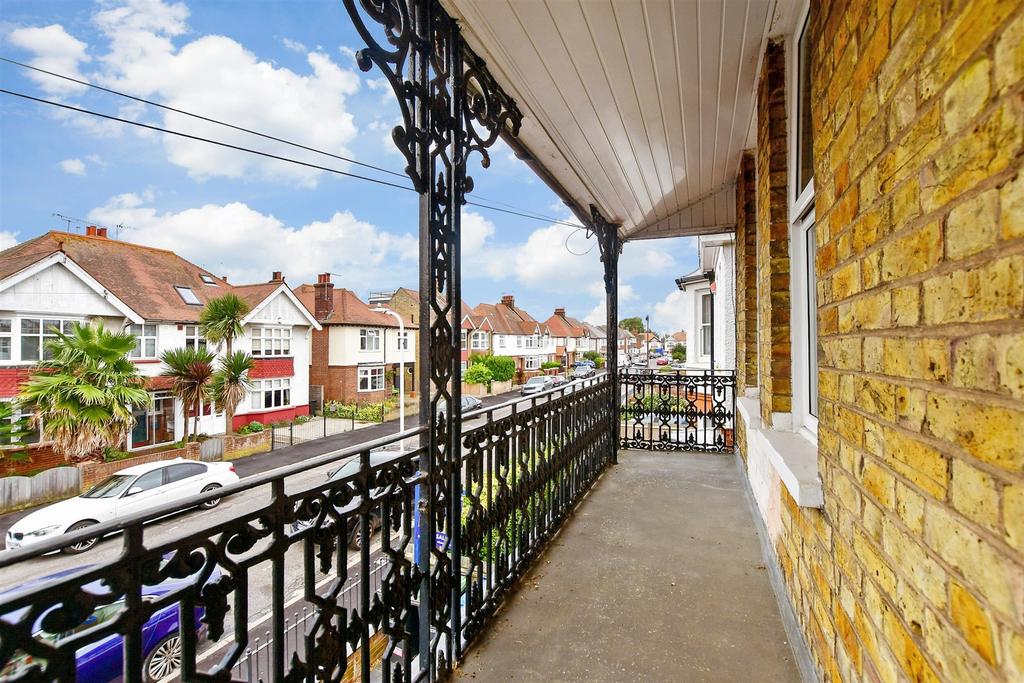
[[402, 341]]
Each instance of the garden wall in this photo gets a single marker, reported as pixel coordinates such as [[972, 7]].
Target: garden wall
[[94, 472], [53, 484]]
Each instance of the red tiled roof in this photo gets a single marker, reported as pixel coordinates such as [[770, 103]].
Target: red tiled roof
[[564, 326], [272, 367], [507, 319], [142, 277], [349, 309], [159, 383], [10, 379]]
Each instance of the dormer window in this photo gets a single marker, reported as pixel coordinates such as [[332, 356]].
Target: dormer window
[[208, 279], [188, 296]]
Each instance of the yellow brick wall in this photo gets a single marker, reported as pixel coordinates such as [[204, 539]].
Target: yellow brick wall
[[914, 570], [746, 266]]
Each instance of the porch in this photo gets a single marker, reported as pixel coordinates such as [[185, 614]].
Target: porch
[[658, 576]]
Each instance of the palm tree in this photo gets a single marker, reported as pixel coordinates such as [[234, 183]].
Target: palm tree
[[85, 394], [192, 370], [221, 321], [231, 383]]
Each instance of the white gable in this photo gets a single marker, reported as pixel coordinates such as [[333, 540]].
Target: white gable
[[279, 309], [55, 289]]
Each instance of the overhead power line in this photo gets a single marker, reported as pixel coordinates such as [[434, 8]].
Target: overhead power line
[[514, 210]]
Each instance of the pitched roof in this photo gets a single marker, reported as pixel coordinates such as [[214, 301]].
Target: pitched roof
[[143, 277], [561, 325], [349, 309], [506, 319], [679, 336]]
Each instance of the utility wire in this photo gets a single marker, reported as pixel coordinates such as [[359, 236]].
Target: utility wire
[[291, 143], [268, 155]]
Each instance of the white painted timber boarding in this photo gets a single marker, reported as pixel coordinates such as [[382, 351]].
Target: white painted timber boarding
[[641, 107]]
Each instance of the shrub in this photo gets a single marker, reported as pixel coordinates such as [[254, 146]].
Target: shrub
[[478, 373], [550, 364], [502, 368], [371, 412], [302, 419], [679, 353], [113, 454], [253, 427]]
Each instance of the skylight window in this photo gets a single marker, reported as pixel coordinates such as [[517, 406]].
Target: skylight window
[[187, 295], [208, 279]]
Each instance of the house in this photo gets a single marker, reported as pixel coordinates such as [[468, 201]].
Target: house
[[477, 333], [710, 305], [517, 334], [60, 278], [355, 357], [406, 303], [675, 339], [571, 337], [627, 343], [598, 338]]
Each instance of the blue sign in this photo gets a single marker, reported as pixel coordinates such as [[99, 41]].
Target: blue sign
[[440, 539]]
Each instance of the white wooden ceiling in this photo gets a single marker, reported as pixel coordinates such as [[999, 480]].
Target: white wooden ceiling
[[641, 107]]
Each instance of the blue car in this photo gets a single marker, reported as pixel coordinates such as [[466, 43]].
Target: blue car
[[103, 661]]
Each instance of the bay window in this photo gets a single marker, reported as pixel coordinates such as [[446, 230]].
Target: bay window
[[371, 379], [478, 340], [271, 341], [37, 332], [271, 393]]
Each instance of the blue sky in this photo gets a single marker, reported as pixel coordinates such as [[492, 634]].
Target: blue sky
[[266, 66]]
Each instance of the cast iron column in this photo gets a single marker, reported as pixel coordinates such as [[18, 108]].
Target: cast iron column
[[610, 244]]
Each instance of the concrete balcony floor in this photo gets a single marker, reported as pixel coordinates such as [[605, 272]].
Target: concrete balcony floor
[[659, 576]]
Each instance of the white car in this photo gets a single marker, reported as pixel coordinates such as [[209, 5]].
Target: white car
[[121, 495]]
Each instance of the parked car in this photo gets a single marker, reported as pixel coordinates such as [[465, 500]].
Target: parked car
[[662, 361], [677, 366], [470, 403], [537, 384], [582, 372], [121, 495], [352, 532], [559, 380], [103, 661], [588, 363]]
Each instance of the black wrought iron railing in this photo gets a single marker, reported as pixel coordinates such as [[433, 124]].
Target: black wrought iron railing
[[343, 527], [677, 410]]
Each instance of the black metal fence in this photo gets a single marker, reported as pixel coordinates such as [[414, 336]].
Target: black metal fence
[[677, 411], [320, 427], [524, 467]]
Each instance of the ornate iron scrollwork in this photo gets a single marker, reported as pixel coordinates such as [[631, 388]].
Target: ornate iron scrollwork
[[610, 245]]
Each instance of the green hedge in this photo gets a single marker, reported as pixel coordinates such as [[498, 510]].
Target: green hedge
[[478, 373], [502, 368]]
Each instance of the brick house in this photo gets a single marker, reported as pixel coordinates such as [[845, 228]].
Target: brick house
[[60, 278], [354, 357], [477, 334]]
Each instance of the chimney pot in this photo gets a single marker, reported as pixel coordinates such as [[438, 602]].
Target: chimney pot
[[560, 312], [508, 300], [90, 230], [101, 232]]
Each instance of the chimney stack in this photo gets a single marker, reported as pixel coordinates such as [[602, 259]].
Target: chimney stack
[[323, 297], [91, 230], [101, 232], [508, 300], [224, 278], [277, 276], [560, 312]]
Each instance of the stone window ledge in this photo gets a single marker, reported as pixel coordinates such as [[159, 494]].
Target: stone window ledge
[[794, 458]]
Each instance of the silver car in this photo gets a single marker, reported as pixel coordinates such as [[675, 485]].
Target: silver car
[[537, 384]]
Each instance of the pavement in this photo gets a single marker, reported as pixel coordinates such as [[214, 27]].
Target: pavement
[[657, 576]]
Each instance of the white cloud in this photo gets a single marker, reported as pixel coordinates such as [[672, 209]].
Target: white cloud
[[7, 240], [247, 245], [73, 166], [55, 50], [294, 45], [212, 75], [476, 230], [598, 315], [670, 314]]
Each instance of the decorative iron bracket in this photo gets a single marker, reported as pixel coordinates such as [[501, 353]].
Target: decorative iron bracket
[[610, 245]]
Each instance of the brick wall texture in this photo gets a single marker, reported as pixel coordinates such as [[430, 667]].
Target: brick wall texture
[[773, 237], [914, 569], [746, 267]]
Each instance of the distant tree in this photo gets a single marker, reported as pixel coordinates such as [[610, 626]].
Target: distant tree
[[221, 321], [679, 353], [84, 395], [634, 325], [192, 370], [230, 383], [502, 368]]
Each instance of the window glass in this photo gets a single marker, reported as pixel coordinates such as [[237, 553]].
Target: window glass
[[36, 333], [184, 471], [110, 487], [187, 295], [272, 341], [813, 352], [369, 340], [271, 393], [371, 379], [705, 325], [145, 341], [804, 137], [150, 480], [208, 279], [194, 338]]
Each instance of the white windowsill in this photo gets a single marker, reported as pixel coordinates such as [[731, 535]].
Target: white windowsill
[[793, 456]]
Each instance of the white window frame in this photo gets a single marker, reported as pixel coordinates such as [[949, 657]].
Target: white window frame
[[269, 341], [366, 335], [478, 340], [8, 336], [532, 363], [370, 374], [142, 335], [464, 342], [701, 324], [279, 390], [403, 340], [17, 335], [194, 337], [802, 218]]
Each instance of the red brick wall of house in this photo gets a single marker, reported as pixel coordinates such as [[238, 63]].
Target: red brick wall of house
[[341, 383], [272, 367], [10, 378]]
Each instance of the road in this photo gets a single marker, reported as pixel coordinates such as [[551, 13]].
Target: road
[[259, 576]]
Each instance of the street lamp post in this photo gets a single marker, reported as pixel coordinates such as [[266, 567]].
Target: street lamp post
[[401, 369]]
